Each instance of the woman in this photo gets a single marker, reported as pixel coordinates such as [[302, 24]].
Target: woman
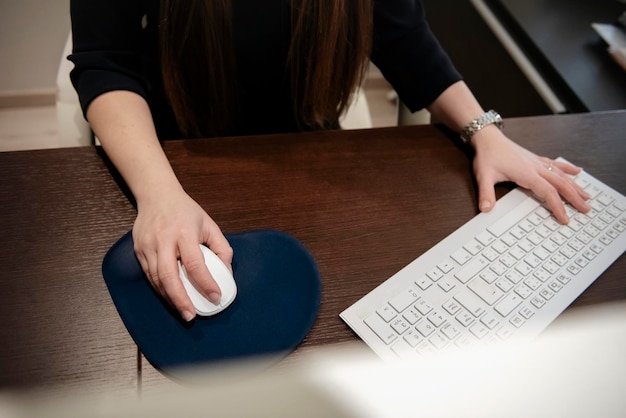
[[148, 70]]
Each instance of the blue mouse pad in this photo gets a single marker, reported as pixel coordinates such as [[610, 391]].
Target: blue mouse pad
[[278, 298]]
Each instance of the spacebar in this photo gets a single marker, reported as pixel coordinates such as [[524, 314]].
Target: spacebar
[[513, 217]]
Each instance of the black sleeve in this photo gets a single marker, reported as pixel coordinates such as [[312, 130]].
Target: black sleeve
[[408, 54], [110, 48]]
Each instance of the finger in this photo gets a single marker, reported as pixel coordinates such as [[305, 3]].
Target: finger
[[567, 167], [555, 204], [572, 170], [568, 189], [171, 287], [149, 266], [191, 257], [486, 192], [218, 243]]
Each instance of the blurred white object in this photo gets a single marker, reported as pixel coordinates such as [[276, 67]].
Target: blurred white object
[[357, 116], [72, 127], [576, 369], [616, 40]]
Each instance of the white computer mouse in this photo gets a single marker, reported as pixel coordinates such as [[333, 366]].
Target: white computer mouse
[[222, 276]]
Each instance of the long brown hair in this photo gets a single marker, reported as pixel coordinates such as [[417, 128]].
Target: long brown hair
[[327, 60]]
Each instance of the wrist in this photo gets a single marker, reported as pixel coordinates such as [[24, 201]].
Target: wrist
[[490, 119]]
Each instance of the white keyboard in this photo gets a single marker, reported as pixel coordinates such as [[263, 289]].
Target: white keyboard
[[503, 276]]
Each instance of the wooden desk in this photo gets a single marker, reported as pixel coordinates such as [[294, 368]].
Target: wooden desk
[[365, 203]]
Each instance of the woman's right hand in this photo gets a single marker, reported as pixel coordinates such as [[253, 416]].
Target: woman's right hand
[[169, 229], [170, 225]]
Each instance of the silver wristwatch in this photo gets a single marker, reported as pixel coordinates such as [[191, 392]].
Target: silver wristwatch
[[479, 123]]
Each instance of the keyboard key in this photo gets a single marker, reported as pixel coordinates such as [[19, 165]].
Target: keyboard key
[[400, 325], [541, 274], [452, 307], [413, 338], [504, 285], [490, 294], [573, 269], [547, 294], [425, 328], [514, 277], [461, 256], [423, 307], [550, 267], [465, 318], [470, 302], [523, 291], [620, 205], [500, 247], [533, 261], [424, 283], [485, 238], [513, 217], [450, 331], [504, 333], [555, 286], [582, 262], [404, 299], [538, 302], [488, 276], [523, 269], [473, 247], [605, 199], [438, 341], [509, 239], [446, 285], [479, 330], [576, 244], [445, 266], [386, 313], [508, 260], [563, 278], [552, 224], [436, 318], [517, 321], [489, 320], [517, 252], [526, 312], [381, 328], [532, 283], [412, 316], [508, 304], [435, 274], [471, 269], [490, 254], [596, 248], [498, 268]]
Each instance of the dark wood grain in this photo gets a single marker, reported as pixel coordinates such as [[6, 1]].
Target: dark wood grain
[[60, 212], [365, 203]]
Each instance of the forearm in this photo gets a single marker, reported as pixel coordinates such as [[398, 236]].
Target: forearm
[[122, 122], [456, 107]]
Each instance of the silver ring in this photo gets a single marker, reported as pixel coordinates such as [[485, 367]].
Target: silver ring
[[550, 167]]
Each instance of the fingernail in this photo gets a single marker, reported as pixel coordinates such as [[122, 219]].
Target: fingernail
[[215, 298], [484, 205], [188, 316]]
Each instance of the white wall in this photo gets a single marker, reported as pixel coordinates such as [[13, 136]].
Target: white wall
[[32, 36]]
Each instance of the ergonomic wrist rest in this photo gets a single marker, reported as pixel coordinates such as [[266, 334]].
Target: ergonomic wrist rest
[[279, 292]]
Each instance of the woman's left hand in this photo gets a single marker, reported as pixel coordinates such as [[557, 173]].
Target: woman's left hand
[[499, 159]]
